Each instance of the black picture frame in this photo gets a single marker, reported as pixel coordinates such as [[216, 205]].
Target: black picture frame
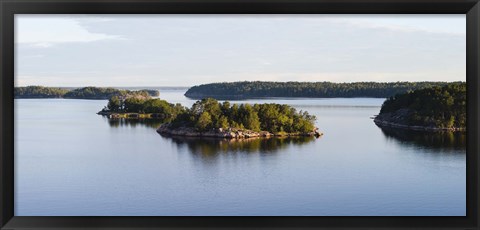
[[9, 8]]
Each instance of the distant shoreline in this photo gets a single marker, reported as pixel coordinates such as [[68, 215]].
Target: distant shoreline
[[89, 93], [237, 98], [264, 89]]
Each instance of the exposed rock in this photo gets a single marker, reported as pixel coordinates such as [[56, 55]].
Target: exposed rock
[[228, 133], [399, 119]]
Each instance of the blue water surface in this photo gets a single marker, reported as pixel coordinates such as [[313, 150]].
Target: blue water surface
[[69, 161]]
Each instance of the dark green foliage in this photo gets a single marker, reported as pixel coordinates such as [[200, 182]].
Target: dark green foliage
[[151, 92], [39, 92], [443, 107], [209, 114], [134, 105], [80, 93], [114, 104], [137, 104], [259, 89], [222, 122], [164, 110], [95, 93], [248, 117], [204, 121], [103, 93]]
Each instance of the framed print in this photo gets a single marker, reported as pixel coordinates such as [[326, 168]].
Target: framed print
[[239, 114]]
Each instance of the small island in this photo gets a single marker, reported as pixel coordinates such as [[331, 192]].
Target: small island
[[141, 106], [95, 93], [430, 109], [210, 118]]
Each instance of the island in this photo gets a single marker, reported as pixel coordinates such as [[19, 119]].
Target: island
[[210, 118], [261, 89], [39, 92], [97, 93], [438, 108], [141, 106]]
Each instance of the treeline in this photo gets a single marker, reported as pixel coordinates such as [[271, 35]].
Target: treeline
[[39, 92], [275, 118], [80, 93], [260, 89], [163, 110], [442, 107], [210, 114], [106, 93]]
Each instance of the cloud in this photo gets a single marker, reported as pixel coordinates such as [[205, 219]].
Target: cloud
[[34, 56], [443, 24], [44, 32], [188, 50]]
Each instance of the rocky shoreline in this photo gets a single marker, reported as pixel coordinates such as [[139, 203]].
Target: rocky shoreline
[[229, 133], [381, 123], [398, 119]]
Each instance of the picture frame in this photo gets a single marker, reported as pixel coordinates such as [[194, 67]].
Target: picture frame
[[9, 8]]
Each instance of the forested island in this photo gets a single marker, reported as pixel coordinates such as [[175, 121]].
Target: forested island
[[261, 89], [78, 93], [39, 92], [210, 118], [429, 106], [141, 106], [435, 108]]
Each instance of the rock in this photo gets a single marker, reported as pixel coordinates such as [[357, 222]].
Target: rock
[[399, 119], [229, 133]]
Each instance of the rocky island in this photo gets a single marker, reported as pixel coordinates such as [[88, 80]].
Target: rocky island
[[210, 118], [430, 109], [229, 133]]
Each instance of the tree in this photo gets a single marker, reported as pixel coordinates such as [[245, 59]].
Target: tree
[[39, 92], [222, 122], [267, 117], [114, 104], [204, 121], [437, 106], [134, 105], [226, 108], [259, 89], [250, 118]]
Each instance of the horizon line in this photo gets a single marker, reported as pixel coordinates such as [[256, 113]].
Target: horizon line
[[169, 86]]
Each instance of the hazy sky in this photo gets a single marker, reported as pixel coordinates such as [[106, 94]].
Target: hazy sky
[[185, 50]]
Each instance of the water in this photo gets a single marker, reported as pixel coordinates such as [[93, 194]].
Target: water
[[71, 162]]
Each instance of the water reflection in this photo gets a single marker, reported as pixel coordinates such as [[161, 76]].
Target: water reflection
[[151, 123], [214, 147], [438, 141]]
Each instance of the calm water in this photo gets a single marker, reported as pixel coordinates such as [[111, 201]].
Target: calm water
[[70, 161]]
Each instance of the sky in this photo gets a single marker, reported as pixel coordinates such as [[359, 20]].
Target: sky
[[187, 50]]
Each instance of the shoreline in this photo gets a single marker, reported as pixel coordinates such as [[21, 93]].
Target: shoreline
[[243, 97], [229, 133], [115, 116], [383, 123]]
